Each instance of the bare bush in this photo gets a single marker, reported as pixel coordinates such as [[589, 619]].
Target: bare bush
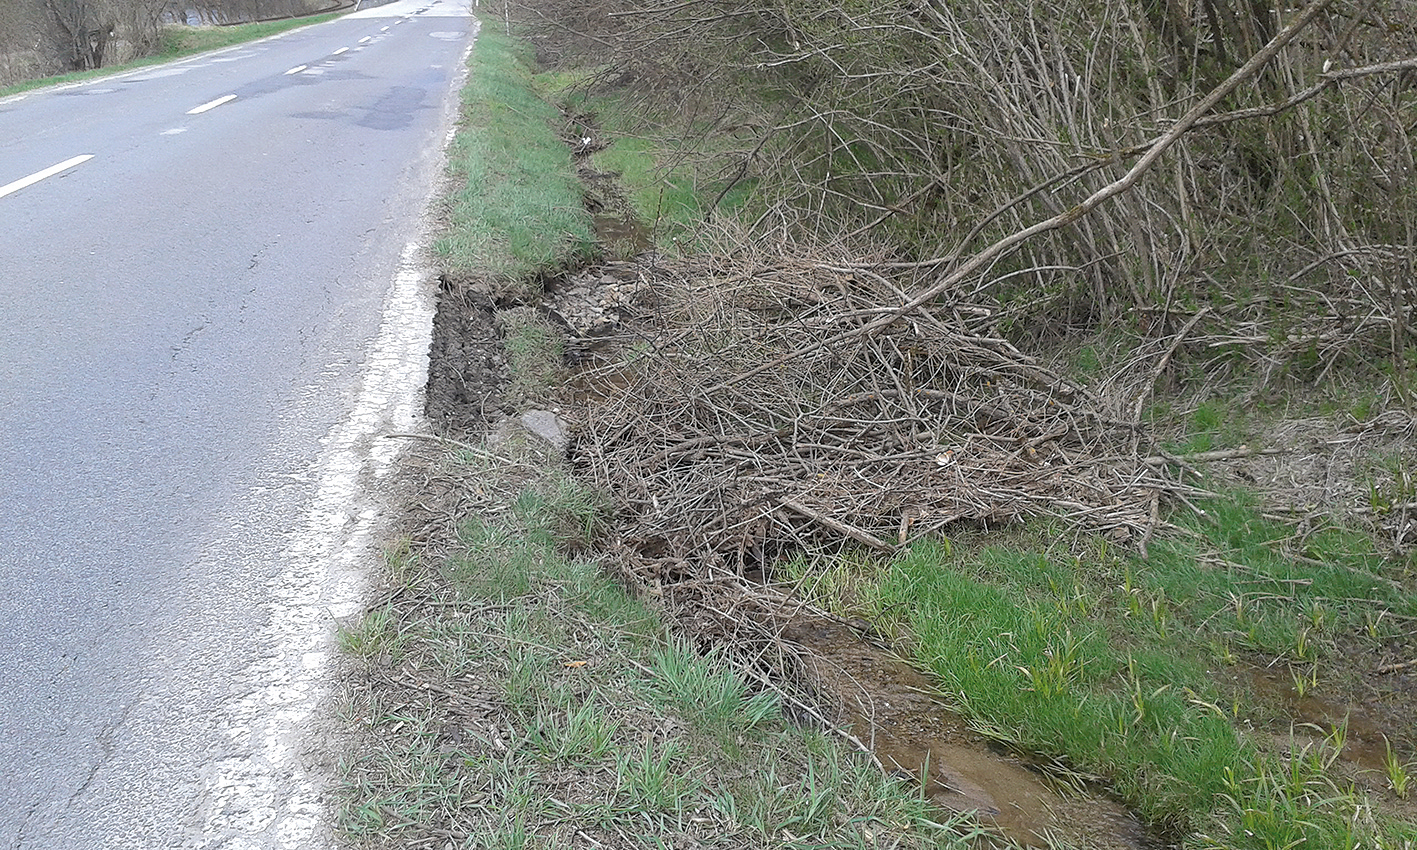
[[937, 128], [893, 437]]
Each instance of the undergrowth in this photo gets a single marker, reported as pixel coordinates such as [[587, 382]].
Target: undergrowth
[[512, 697]]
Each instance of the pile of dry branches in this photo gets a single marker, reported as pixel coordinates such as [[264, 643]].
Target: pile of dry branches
[[892, 436], [939, 128]]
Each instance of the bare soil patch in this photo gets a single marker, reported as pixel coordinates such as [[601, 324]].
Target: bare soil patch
[[467, 366]]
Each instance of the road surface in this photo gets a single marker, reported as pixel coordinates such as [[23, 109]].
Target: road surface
[[212, 306]]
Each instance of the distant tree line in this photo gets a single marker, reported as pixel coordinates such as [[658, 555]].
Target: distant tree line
[[43, 37]]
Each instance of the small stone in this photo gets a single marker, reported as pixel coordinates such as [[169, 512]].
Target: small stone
[[548, 426]]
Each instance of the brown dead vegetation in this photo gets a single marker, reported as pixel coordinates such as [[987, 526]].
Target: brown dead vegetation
[[892, 437], [1126, 164]]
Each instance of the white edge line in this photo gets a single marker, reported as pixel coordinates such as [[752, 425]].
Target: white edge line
[[198, 110], [52, 170], [338, 52], [297, 69]]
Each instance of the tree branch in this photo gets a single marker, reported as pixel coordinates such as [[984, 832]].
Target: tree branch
[[1117, 187]]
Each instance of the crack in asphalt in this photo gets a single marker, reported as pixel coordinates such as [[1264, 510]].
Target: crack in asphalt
[[105, 739], [186, 341]]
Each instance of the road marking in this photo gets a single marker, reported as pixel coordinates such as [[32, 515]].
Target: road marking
[[338, 52], [211, 104], [366, 39], [384, 29], [11, 188], [174, 131], [264, 787], [297, 69]]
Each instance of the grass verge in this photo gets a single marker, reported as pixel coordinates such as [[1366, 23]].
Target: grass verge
[[1153, 674], [515, 207], [511, 697], [178, 41]]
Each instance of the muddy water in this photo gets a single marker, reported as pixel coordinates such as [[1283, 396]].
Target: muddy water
[[622, 235], [1366, 741], [888, 705]]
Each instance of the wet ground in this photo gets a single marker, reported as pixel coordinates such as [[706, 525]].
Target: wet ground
[[892, 708], [1373, 716]]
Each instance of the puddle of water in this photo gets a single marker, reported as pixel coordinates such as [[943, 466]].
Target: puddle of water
[[623, 236], [889, 706], [1365, 744]]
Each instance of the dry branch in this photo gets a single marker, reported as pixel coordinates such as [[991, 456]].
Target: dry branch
[[982, 258], [923, 425]]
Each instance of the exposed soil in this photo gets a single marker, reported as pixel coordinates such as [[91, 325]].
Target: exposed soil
[[467, 366], [1374, 713]]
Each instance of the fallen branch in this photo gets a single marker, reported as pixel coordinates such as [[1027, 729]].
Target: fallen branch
[[1165, 360], [1211, 457], [467, 447], [1394, 668], [840, 527]]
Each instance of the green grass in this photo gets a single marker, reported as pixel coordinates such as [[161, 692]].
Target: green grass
[[176, 42], [669, 174], [662, 195], [512, 697], [534, 350], [1119, 666], [515, 208]]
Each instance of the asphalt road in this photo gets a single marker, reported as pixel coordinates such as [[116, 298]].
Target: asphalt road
[[212, 306]]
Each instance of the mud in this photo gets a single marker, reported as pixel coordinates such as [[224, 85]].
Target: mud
[[891, 708], [1365, 741], [467, 366], [1307, 722]]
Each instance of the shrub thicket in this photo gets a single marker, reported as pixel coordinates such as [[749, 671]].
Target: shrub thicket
[[935, 127]]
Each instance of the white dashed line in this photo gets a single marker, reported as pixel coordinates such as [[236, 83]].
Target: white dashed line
[[10, 188], [366, 39], [174, 131], [211, 104], [383, 29], [338, 52], [297, 69]]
